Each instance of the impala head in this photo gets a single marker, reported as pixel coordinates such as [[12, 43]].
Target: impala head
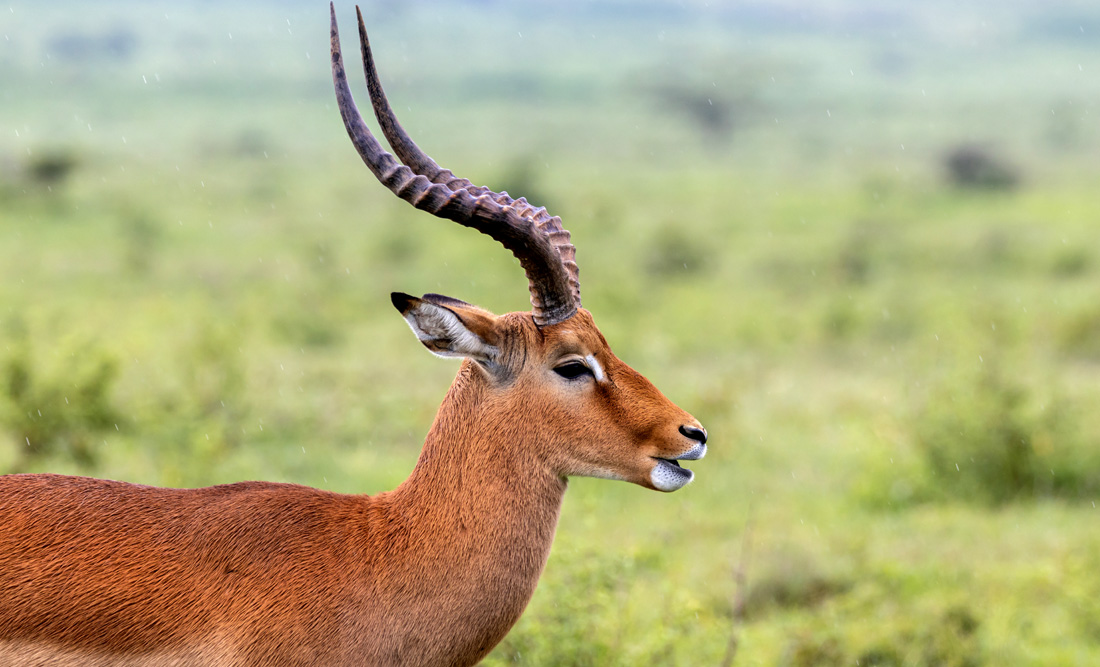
[[549, 368]]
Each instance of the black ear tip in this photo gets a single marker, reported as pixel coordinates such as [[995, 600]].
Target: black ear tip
[[402, 302]]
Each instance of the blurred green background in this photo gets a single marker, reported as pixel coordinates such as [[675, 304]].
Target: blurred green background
[[856, 239]]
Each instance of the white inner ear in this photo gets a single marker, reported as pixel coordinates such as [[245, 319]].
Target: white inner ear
[[445, 335]]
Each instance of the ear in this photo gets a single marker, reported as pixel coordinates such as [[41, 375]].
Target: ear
[[449, 327]]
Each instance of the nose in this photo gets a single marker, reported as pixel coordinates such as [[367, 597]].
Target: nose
[[695, 433]]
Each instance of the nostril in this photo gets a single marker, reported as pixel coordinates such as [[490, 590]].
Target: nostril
[[694, 433]]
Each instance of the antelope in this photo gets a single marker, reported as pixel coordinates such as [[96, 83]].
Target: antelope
[[435, 572]]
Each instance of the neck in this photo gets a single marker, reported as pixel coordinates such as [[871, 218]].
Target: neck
[[479, 511]]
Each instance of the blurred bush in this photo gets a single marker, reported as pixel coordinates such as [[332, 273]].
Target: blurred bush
[[986, 439], [674, 252], [705, 109], [1078, 334], [1071, 263], [209, 410], [523, 177], [946, 635], [789, 579], [977, 167], [560, 634], [557, 629], [50, 168], [57, 410]]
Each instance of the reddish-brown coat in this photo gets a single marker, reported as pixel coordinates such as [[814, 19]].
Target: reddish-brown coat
[[433, 573]]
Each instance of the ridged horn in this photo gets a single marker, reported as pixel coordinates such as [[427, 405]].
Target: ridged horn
[[537, 239]]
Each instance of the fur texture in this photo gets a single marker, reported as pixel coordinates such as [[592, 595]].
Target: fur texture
[[436, 572]]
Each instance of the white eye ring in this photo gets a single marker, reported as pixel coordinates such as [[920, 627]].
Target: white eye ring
[[597, 370]]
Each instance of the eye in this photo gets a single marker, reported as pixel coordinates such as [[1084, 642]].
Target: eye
[[572, 369]]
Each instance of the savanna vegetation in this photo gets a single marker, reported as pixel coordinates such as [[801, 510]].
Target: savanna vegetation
[[857, 241]]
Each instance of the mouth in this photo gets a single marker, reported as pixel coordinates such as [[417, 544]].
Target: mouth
[[668, 475]]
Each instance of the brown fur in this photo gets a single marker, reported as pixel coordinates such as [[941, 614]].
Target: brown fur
[[433, 573]]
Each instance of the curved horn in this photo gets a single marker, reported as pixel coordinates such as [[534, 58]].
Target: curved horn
[[537, 240], [406, 149]]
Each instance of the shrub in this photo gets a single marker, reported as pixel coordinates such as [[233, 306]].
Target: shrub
[[560, 633], [57, 410], [977, 167], [52, 167], [1078, 334], [674, 253], [985, 439], [949, 639], [790, 579], [939, 636]]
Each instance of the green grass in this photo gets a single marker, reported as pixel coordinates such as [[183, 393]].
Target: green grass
[[847, 325]]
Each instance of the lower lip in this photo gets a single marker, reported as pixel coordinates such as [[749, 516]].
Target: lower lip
[[669, 476]]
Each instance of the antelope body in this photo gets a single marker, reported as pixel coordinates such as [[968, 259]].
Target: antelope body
[[435, 572]]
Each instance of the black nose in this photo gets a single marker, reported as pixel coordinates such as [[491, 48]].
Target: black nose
[[694, 433]]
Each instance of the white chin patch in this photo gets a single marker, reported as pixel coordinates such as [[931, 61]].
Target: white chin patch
[[667, 476]]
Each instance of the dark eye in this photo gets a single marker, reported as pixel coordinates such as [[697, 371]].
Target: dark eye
[[572, 369]]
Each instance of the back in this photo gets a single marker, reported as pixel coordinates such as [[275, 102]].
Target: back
[[182, 564]]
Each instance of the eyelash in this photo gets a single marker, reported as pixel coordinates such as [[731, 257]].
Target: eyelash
[[572, 370]]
